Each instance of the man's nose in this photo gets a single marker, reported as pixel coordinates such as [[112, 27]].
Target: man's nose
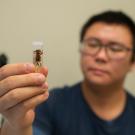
[[102, 53]]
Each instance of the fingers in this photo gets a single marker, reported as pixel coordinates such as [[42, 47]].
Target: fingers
[[18, 95], [23, 107], [15, 69], [33, 102], [21, 90], [19, 81], [18, 69]]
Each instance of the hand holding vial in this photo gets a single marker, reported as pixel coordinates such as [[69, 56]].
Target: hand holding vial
[[22, 88]]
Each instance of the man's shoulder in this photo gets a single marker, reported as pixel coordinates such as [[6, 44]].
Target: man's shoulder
[[131, 97]]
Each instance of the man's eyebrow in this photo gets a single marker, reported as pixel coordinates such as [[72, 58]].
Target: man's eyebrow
[[92, 38], [109, 42], [116, 43]]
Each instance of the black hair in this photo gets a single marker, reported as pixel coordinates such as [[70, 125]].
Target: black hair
[[111, 17]]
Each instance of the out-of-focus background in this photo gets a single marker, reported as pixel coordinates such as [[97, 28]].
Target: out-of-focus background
[[57, 23]]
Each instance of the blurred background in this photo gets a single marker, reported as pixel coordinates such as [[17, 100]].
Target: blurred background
[[57, 24]]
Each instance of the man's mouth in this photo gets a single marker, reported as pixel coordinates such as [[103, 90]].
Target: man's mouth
[[98, 71]]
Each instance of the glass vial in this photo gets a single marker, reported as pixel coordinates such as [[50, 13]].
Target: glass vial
[[37, 55]]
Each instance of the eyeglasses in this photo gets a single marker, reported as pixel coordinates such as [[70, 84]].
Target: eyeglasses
[[114, 50]]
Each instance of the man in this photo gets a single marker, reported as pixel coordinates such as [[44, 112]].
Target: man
[[98, 105]]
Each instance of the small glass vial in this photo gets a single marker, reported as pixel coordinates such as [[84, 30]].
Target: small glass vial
[[37, 55]]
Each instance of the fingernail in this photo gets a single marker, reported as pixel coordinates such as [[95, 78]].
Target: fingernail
[[46, 94], [45, 85], [40, 77], [29, 67]]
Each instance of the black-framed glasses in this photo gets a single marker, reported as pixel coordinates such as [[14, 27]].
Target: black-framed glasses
[[114, 50]]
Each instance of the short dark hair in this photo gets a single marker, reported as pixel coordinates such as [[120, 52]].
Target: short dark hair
[[111, 17]]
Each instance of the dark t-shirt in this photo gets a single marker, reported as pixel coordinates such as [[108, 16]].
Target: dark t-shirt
[[67, 113]]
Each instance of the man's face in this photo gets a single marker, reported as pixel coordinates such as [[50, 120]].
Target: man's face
[[100, 69]]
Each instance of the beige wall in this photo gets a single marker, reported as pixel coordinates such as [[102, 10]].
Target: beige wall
[[57, 23]]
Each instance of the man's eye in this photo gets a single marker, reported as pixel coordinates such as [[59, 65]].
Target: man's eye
[[93, 45], [116, 48]]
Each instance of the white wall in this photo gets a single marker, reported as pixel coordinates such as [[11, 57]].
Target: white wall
[[57, 23]]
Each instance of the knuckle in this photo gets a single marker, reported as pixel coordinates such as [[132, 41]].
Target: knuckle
[[8, 81], [34, 78], [2, 107], [2, 72], [24, 105], [4, 103], [14, 96]]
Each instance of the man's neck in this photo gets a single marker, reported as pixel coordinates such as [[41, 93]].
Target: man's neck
[[107, 104]]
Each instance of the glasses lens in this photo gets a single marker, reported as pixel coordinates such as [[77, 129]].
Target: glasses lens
[[90, 47], [116, 51]]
